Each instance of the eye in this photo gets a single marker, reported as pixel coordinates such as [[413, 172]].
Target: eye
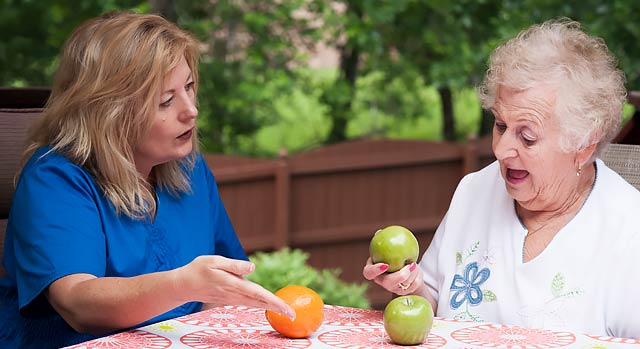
[[189, 87], [528, 140], [166, 103], [500, 127]]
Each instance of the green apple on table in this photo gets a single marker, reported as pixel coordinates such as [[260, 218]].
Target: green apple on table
[[408, 319], [394, 245]]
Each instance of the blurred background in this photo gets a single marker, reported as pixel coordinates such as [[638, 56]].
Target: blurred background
[[326, 120]]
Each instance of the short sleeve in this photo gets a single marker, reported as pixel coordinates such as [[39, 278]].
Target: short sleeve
[[54, 225], [226, 240], [429, 262]]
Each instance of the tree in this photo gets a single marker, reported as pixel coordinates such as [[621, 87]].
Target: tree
[[166, 8], [615, 21], [250, 51], [32, 34], [447, 42]]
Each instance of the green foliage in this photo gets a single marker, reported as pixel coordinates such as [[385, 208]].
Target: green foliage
[[299, 120], [32, 34], [275, 270], [616, 21], [256, 95], [404, 108], [250, 50]]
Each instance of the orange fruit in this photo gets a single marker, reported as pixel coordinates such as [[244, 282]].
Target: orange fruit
[[309, 309]]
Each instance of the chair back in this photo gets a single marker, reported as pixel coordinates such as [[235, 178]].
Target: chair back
[[625, 160], [14, 124]]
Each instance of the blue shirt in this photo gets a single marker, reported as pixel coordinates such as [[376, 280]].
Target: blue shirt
[[61, 223]]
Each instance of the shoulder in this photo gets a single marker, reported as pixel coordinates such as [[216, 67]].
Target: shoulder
[[49, 168], [616, 203], [480, 193], [202, 179], [481, 183], [615, 191], [201, 169]]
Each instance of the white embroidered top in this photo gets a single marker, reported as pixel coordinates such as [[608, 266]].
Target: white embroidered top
[[587, 279]]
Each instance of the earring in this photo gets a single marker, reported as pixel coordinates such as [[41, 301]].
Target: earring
[[578, 171]]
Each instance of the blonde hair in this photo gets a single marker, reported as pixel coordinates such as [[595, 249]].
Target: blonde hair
[[589, 89], [103, 101]]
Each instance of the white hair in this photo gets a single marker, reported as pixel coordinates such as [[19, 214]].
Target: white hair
[[589, 88]]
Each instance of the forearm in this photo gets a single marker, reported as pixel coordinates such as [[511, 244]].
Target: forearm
[[207, 306], [424, 292], [102, 305]]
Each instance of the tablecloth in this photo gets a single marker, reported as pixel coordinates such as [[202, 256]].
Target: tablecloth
[[243, 327]]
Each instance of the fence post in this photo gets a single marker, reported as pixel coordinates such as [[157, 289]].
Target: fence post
[[282, 201], [470, 161]]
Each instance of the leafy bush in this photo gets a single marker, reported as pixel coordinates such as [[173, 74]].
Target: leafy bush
[[275, 270]]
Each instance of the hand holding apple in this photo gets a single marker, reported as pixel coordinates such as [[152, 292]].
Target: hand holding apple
[[394, 245], [408, 319]]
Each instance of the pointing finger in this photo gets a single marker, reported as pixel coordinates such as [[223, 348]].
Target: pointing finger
[[257, 295]]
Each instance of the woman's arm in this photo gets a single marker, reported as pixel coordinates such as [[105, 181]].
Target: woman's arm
[[101, 305]]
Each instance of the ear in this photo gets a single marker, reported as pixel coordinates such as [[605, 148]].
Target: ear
[[583, 155]]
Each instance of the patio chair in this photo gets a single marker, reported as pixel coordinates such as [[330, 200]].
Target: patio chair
[[13, 129], [625, 160]]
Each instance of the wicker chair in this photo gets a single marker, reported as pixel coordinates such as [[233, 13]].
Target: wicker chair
[[625, 160], [13, 129]]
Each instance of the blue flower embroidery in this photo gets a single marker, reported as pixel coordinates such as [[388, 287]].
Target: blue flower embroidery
[[468, 287]]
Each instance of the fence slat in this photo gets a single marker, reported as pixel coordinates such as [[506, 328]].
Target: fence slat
[[282, 202]]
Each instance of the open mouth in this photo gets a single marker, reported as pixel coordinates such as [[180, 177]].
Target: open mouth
[[516, 176], [186, 135]]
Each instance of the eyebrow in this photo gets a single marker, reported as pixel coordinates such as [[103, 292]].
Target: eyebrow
[[173, 90]]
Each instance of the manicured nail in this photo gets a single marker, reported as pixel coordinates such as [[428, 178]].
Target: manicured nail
[[384, 267], [413, 266]]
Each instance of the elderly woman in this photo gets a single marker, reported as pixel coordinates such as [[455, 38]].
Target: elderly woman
[[116, 220], [547, 235]]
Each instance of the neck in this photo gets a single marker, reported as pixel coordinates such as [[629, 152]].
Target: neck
[[562, 213]]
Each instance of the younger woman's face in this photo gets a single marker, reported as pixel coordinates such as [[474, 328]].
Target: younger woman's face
[[173, 128]]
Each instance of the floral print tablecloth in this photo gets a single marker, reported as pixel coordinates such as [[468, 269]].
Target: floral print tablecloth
[[242, 327]]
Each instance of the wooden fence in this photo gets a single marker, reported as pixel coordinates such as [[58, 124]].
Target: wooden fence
[[331, 200]]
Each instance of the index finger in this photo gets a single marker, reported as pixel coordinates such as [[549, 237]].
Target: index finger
[[372, 271], [265, 299]]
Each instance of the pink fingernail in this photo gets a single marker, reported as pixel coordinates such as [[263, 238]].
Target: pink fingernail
[[384, 267], [413, 267]]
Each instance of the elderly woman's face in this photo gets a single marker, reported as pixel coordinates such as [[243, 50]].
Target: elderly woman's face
[[526, 138]]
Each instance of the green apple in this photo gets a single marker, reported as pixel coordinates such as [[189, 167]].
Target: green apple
[[408, 319], [395, 246]]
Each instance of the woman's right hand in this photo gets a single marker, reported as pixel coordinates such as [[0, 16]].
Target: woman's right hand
[[219, 280], [407, 280]]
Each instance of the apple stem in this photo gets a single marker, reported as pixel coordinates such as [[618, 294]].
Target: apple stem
[[407, 301]]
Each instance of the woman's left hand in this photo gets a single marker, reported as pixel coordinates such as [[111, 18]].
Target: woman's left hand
[[407, 280], [219, 280]]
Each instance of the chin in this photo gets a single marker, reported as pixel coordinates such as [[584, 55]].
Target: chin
[[185, 152], [518, 195]]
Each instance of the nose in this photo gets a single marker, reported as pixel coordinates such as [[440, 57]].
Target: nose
[[504, 146], [189, 110]]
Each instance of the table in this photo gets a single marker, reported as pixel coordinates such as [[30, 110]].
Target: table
[[243, 327]]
